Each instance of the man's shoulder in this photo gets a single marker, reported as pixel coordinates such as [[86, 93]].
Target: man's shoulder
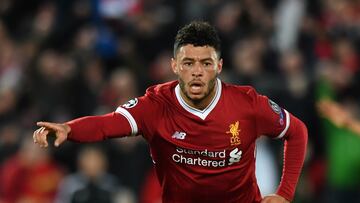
[[161, 89], [239, 90], [161, 93]]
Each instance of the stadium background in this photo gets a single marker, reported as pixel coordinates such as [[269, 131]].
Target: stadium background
[[62, 59]]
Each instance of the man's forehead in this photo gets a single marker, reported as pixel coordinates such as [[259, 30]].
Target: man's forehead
[[197, 52]]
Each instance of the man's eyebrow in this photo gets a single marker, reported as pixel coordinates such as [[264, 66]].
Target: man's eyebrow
[[192, 59], [188, 59], [207, 59]]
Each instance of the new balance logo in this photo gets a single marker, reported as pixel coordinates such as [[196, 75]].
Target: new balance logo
[[179, 135]]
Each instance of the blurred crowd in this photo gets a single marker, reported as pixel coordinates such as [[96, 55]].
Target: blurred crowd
[[61, 59]]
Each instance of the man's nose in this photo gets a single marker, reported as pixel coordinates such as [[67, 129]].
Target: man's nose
[[198, 70]]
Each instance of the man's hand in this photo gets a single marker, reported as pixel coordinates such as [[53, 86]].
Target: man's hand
[[274, 198], [61, 131]]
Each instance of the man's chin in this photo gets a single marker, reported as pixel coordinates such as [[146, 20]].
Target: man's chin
[[196, 97]]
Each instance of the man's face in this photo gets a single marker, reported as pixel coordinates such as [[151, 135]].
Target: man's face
[[197, 68]]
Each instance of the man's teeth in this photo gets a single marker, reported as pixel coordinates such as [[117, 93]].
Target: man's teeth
[[195, 87]]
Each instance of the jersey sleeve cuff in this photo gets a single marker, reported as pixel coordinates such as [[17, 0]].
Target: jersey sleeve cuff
[[284, 195], [281, 135]]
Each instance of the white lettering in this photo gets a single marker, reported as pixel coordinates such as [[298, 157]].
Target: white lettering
[[197, 161], [222, 163], [215, 164], [203, 156], [176, 157], [204, 162], [212, 154], [179, 150], [222, 154]]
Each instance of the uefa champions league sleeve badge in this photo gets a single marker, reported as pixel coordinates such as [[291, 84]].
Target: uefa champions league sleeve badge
[[276, 108], [130, 104]]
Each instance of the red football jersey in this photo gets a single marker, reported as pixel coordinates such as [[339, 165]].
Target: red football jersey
[[202, 155], [205, 155]]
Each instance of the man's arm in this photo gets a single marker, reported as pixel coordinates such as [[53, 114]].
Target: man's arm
[[294, 155], [354, 125], [276, 122], [84, 129], [338, 115]]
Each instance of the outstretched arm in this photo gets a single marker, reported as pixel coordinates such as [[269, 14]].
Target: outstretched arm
[[85, 129], [338, 115]]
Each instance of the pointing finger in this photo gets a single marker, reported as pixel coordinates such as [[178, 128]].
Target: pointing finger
[[52, 126]]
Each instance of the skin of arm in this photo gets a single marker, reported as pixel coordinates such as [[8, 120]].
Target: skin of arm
[[338, 115]]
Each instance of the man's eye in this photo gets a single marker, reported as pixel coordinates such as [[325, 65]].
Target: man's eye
[[187, 64], [207, 64]]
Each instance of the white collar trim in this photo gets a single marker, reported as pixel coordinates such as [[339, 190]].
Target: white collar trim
[[200, 113]]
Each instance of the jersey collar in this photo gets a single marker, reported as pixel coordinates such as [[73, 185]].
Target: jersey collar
[[200, 113]]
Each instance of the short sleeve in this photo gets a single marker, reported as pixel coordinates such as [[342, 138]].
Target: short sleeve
[[271, 119]]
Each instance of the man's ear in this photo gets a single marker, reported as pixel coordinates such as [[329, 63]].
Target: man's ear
[[173, 66], [219, 66]]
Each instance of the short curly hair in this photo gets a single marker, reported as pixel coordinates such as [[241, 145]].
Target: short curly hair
[[197, 33]]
